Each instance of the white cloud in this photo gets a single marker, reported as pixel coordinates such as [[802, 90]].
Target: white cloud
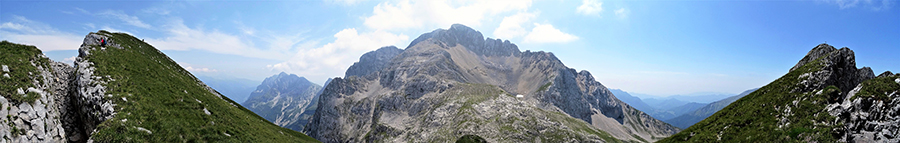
[[110, 29], [157, 10], [511, 26], [24, 31], [333, 58], [846, 3], [622, 12], [130, 20], [546, 33], [590, 7], [180, 37], [875, 5], [69, 60], [90, 26], [437, 13], [346, 2], [245, 29], [192, 68], [82, 11]]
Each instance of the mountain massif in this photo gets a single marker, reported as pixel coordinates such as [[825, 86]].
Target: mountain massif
[[282, 99], [452, 83], [823, 98], [122, 90]]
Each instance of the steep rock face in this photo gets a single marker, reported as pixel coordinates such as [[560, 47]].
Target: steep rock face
[[310, 109], [812, 102], [839, 69], [582, 97], [373, 61], [441, 88], [282, 99]]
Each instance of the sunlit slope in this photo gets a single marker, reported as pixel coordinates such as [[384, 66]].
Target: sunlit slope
[[158, 101]]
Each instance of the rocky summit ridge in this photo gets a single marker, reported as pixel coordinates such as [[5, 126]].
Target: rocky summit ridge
[[823, 98], [453, 82]]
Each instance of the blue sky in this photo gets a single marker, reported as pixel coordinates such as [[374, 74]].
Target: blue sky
[[650, 47]]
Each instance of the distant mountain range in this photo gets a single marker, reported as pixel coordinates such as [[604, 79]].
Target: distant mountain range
[[672, 110], [686, 120], [700, 97]]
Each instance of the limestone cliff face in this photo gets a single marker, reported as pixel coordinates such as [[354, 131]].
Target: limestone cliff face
[[373, 61], [446, 84]]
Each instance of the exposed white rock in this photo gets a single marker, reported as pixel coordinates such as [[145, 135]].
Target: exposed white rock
[[145, 130], [5, 68]]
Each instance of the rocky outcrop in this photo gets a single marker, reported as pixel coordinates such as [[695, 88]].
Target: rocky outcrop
[[373, 61], [822, 98], [839, 69], [869, 119], [282, 99], [445, 84], [89, 89], [47, 118]]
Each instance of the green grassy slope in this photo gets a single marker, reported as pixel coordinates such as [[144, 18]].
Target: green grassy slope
[[153, 92], [755, 117], [18, 59]]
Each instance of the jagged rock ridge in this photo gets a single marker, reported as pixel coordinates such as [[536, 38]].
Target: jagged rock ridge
[[824, 98], [449, 83]]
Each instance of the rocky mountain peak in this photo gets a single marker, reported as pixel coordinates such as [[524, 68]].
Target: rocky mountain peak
[[282, 99], [817, 52], [279, 81], [373, 61], [471, 39], [837, 67]]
